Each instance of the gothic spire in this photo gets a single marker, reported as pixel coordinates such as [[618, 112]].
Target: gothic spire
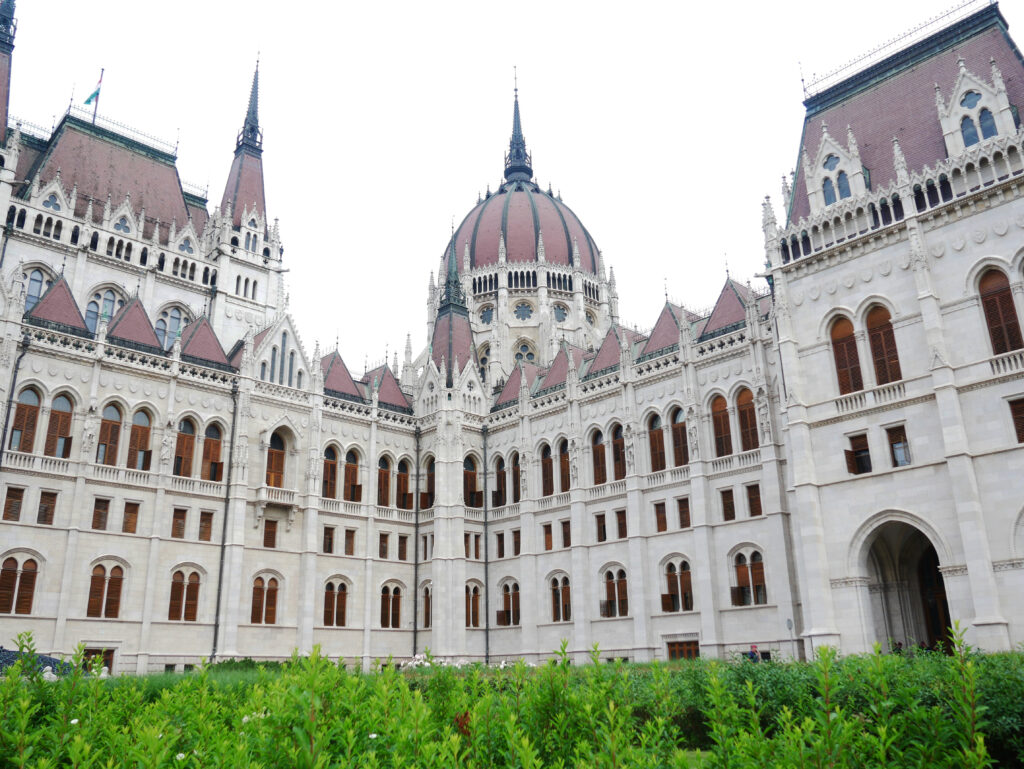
[[518, 160], [453, 295], [251, 136]]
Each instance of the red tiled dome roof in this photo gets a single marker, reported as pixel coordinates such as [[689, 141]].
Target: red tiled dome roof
[[520, 211]]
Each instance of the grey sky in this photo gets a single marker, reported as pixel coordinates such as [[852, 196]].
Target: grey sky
[[663, 125]]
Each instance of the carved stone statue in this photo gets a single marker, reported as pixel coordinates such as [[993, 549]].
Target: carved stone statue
[[694, 446], [166, 447]]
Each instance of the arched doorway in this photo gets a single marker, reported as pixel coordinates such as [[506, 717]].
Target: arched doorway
[[908, 595]]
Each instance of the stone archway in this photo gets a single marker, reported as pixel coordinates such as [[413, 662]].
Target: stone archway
[[907, 592]]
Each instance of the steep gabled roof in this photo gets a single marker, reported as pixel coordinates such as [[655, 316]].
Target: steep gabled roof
[[730, 309], [131, 324], [666, 330], [58, 308], [608, 353], [558, 372], [510, 392], [198, 341], [337, 378], [390, 394]]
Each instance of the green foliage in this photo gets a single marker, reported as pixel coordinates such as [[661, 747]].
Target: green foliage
[[872, 712]]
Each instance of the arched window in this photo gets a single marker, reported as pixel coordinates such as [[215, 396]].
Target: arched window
[[17, 585], [253, 294], [212, 468], [844, 350], [748, 420], [352, 492], [969, 131], [1000, 313], [105, 592], [264, 601], [843, 183], [470, 496], [509, 613], [110, 432], [680, 443], [656, 439], [618, 453], [184, 603], [101, 306], [21, 224], [144, 257], [403, 498], [263, 371], [335, 604], [547, 474], [987, 123], [184, 448], [757, 578], [168, 326], [597, 455], [329, 484], [37, 225], [883, 346], [616, 603], [390, 607], [472, 606], [565, 477], [284, 346], [426, 607], [58, 432], [275, 461], [238, 283], [498, 497], [273, 363], [139, 454], [383, 482], [427, 497], [516, 481], [561, 600], [829, 191], [26, 415], [35, 289], [720, 425], [680, 589], [750, 584]]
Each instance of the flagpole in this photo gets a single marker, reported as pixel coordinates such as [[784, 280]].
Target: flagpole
[[96, 105]]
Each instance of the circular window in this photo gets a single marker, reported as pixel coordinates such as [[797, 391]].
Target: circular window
[[560, 312], [590, 318], [485, 355], [831, 162], [525, 353], [970, 100], [487, 315], [523, 311]]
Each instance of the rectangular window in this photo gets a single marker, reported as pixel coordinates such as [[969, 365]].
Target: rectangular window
[[47, 506], [424, 547], [465, 544], [178, 524], [270, 534], [499, 541], [350, 541], [566, 534], [476, 546], [130, 522], [683, 650], [858, 456], [1017, 413], [602, 529], [547, 536], [382, 546], [205, 526], [403, 545], [328, 539], [620, 522], [516, 541], [728, 506], [899, 447], [683, 505], [660, 520], [12, 505], [100, 509], [754, 500]]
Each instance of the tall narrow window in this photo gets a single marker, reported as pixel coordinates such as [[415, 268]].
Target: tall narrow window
[[12, 503], [741, 591], [754, 500], [516, 483], [680, 445], [899, 447], [517, 541], [184, 603], [105, 592], [35, 289], [100, 512], [563, 466], [382, 545], [26, 414], [597, 452], [403, 499], [656, 438], [178, 523], [17, 586], [184, 448], [757, 578], [335, 604], [566, 534], [47, 506], [130, 520], [264, 601], [390, 607], [1000, 313], [843, 184], [660, 519], [58, 432], [844, 351], [205, 526], [498, 495], [728, 505], [748, 420], [472, 606], [353, 492], [621, 594], [350, 541], [269, 533], [383, 482], [883, 346], [275, 461], [548, 543], [1017, 415], [620, 523], [566, 597], [427, 497], [969, 131], [426, 607], [110, 432], [547, 478], [987, 123], [609, 604], [858, 456], [828, 189], [470, 496], [212, 468], [618, 453], [602, 528], [328, 543], [720, 425], [683, 508], [139, 454]]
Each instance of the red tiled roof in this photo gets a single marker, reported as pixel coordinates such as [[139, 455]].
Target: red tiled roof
[[510, 392], [235, 353], [903, 105], [559, 370], [58, 305], [729, 309], [337, 376], [244, 188], [665, 332], [131, 324], [461, 343], [198, 340], [389, 392], [608, 353]]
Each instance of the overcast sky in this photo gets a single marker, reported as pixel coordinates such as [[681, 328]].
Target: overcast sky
[[662, 124]]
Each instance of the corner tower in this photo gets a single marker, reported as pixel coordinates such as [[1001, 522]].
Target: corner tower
[[243, 193]]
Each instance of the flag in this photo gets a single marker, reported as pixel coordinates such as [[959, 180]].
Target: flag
[[96, 93]]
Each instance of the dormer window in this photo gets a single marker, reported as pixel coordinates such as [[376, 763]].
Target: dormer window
[[122, 225], [985, 120], [252, 223], [829, 188]]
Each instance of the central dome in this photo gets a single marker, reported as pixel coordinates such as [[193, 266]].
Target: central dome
[[520, 212]]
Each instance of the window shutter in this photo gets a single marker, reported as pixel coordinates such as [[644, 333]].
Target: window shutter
[[350, 541], [1010, 323], [396, 609], [275, 468], [884, 354], [177, 596], [563, 466], [131, 517], [686, 588], [96, 585], [205, 526], [660, 521], [138, 440], [619, 458], [851, 462], [728, 506], [754, 500], [12, 504], [192, 598], [8, 579], [684, 512], [256, 615], [600, 471], [547, 479], [350, 482], [183, 455], [383, 486], [270, 614], [110, 433], [99, 514], [680, 447], [58, 427], [114, 584], [620, 520], [547, 536], [211, 460], [385, 608], [26, 588], [340, 609], [748, 427], [47, 505], [329, 605], [556, 606], [28, 427], [657, 441], [402, 490], [178, 524], [757, 578], [269, 533], [1017, 411]]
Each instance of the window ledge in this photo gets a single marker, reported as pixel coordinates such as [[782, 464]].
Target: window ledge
[[611, 619], [749, 608]]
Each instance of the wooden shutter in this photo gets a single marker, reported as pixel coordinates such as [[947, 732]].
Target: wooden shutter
[[58, 427], [112, 608], [1017, 412], [383, 486], [743, 583], [547, 536], [210, 469], [26, 588], [516, 541], [499, 540], [680, 444], [183, 455], [566, 534], [178, 523], [467, 607], [683, 506], [350, 482], [602, 532], [515, 604], [723, 432], [844, 350], [106, 451], [177, 596], [99, 514], [547, 477], [396, 608], [670, 599], [275, 468], [728, 506], [330, 483], [192, 598], [96, 585], [760, 594], [329, 605], [686, 588], [660, 519], [256, 615], [328, 539], [269, 533], [622, 595], [469, 487], [385, 607], [884, 354], [138, 445], [402, 496], [475, 604], [566, 601], [402, 547], [657, 441], [350, 541], [556, 604], [25, 418], [748, 426], [12, 504], [620, 521], [8, 581], [619, 458], [131, 517], [426, 608], [205, 526], [563, 466], [47, 505], [754, 500], [342, 606], [270, 612], [600, 471], [515, 481], [1001, 317]]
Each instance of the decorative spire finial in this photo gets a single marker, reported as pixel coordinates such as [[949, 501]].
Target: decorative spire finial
[[251, 136], [518, 160]]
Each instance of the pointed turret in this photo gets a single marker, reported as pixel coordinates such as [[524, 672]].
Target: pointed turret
[[244, 189], [452, 339], [518, 160]]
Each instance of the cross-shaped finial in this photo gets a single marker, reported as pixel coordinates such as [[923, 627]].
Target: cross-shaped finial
[[515, 78]]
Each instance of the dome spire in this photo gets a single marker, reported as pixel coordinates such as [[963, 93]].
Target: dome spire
[[251, 136], [518, 160], [453, 295]]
